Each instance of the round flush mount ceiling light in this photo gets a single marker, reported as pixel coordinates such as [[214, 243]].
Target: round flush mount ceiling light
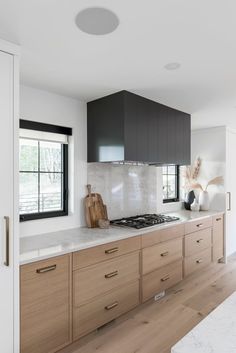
[[172, 66], [97, 21]]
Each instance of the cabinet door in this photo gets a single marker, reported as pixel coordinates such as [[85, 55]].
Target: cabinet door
[[6, 202], [218, 237], [46, 305]]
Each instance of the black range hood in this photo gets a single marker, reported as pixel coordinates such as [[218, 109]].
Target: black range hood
[[126, 128]]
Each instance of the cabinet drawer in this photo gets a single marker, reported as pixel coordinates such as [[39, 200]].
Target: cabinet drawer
[[198, 241], [194, 226], [88, 317], [161, 279], [100, 278], [162, 254], [159, 236], [197, 261], [104, 252], [45, 297], [218, 237]]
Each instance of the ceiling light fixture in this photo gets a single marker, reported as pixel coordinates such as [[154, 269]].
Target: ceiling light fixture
[[97, 21], [172, 66]]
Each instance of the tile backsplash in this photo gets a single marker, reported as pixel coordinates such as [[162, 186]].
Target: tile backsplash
[[128, 190]]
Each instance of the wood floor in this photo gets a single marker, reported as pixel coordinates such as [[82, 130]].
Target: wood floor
[[156, 326]]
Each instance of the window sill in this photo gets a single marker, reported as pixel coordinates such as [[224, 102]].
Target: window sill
[[43, 215]]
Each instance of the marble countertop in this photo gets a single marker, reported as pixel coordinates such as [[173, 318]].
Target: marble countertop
[[43, 246], [215, 334]]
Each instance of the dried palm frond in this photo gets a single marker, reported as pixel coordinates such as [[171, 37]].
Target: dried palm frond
[[216, 181], [196, 168], [196, 186]]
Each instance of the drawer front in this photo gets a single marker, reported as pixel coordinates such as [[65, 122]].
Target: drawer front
[[88, 317], [45, 296], [196, 262], [161, 279], [198, 241], [194, 226], [218, 237], [162, 254], [105, 252], [98, 279], [159, 236]]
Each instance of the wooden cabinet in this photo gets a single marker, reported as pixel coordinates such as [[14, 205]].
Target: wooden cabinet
[[160, 255], [197, 261], [197, 245], [100, 278], [105, 252], [106, 283], [105, 308], [218, 237], [143, 130], [161, 279], [46, 305]]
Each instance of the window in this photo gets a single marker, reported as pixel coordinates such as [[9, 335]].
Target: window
[[43, 172], [170, 183]]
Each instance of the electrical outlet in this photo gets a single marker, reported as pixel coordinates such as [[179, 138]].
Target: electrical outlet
[[159, 295]]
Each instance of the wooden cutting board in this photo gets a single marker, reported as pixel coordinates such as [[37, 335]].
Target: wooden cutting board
[[94, 208]]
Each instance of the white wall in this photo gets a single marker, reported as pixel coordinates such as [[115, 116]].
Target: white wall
[[42, 106], [210, 146]]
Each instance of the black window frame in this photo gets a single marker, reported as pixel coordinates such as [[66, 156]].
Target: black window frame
[[175, 199], [31, 125]]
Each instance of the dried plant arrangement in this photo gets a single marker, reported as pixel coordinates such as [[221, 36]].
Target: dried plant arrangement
[[191, 173], [215, 181]]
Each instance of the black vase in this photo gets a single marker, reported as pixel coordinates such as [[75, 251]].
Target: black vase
[[189, 200]]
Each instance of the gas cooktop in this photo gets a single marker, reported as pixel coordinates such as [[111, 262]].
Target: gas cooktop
[[143, 221]]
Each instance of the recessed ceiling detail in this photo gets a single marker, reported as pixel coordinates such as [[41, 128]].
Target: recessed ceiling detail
[[97, 21], [172, 66]]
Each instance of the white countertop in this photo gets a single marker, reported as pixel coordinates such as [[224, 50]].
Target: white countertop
[[43, 246], [215, 334]]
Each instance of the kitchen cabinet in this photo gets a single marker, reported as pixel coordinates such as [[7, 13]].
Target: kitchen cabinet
[[127, 127], [197, 245], [162, 260], [46, 305], [106, 283], [9, 88], [218, 238]]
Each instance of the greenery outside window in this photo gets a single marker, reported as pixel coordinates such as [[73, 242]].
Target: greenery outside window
[[43, 175]]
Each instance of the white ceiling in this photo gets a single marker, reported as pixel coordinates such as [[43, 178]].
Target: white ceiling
[[199, 34]]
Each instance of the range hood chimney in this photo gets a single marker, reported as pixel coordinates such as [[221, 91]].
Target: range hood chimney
[[129, 129]]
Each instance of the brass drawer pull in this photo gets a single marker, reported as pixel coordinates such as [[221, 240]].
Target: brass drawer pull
[[7, 261], [199, 240], [199, 261], [111, 306], [199, 225], [111, 251], [165, 253], [165, 278], [218, 219], [112, 274], [46, 269]]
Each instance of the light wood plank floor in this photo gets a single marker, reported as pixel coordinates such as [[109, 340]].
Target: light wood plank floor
[[156, 326]]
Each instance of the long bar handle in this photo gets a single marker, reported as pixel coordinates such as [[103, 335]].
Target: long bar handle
[[229, 201], [112, 250], [46, 269], [7, 230]]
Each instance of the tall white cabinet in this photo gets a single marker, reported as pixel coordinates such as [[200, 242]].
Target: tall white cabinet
[[9, 250], [217, 148]]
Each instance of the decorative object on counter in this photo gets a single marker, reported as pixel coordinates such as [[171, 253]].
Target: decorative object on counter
[[103, 223], [95, 209], [195, 206], [189, 199], [190, 175], [204, 200]]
